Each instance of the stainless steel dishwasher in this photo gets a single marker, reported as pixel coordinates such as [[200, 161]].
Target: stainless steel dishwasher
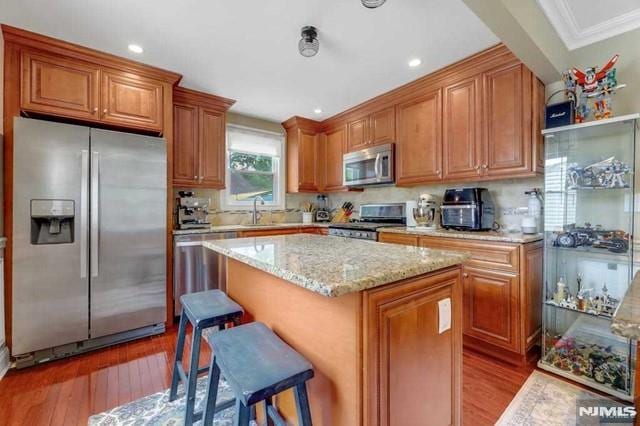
[[196, 268]]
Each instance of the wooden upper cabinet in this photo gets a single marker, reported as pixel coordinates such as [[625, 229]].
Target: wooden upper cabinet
[[212, 148], [374, 129], [358, 134], [491, 307], [507, 121], [185, 143], [54, 85], [382, 126], [303, 155], [419, 144], [308, 160], [335, 142], [199, 136], [131, 100], [462, 131]]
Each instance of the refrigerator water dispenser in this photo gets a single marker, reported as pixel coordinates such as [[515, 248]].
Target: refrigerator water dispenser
[[52, 221]]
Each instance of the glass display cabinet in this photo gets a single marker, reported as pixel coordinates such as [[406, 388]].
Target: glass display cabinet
[[588, 264]]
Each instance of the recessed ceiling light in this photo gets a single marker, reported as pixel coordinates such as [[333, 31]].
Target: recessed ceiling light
[[414, 62], [318, 111], [135, 48]]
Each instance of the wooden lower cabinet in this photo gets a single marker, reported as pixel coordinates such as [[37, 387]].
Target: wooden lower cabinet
[[412, 370], [491, 306], [502, 285]]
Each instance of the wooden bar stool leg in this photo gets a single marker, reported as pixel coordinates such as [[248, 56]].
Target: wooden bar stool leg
[[175, 380], [302, 404], [242, 414], [268, 403], [193, 376], [212, 392]]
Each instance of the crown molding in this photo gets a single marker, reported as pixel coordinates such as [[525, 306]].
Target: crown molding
[[559, 13]]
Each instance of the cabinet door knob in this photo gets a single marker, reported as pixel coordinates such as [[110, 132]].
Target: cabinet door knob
[[104, 111], [439, 173], [95, 109], [466, 275], [484, 166]]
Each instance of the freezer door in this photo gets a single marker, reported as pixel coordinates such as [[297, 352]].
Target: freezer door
[[50, 267], [128, 231]]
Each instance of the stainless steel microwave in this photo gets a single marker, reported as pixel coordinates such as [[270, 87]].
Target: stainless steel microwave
[[371, 166]]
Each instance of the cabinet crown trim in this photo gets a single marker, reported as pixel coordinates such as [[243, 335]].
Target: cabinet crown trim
[[51, 45], [206, 100]]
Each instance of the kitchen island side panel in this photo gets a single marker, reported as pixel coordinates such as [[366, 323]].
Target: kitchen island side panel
[[325, 330]]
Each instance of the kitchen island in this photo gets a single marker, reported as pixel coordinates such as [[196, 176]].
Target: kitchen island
[[370, 317]]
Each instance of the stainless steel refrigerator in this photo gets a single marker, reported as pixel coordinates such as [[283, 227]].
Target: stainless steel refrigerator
[[89, 238]]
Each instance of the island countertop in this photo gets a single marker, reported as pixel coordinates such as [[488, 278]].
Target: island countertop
[[334, 266], [626, 321]]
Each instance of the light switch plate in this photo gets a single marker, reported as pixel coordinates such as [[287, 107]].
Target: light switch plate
[[444, 315]]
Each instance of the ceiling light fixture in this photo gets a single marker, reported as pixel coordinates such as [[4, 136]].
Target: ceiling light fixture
[[318, 111], [372, 4], [414, 62], [135, 48], [308, 44]]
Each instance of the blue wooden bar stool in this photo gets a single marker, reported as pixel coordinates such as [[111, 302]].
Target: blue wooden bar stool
[[203, 310], [257, 365]]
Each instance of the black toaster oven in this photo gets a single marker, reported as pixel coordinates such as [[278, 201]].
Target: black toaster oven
[[469, 209]]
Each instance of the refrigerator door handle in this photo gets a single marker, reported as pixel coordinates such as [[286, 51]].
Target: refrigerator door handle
[[84, 212], [95, 210]]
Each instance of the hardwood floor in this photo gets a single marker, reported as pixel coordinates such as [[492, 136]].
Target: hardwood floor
[[68, 391]]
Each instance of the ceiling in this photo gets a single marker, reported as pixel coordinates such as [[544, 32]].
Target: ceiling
[[247, 49], [580, 23]]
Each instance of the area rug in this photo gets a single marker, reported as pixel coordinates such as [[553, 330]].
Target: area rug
[[157, 410], [544, 400]]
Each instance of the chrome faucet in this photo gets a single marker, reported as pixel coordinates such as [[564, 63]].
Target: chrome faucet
[[256, 214]]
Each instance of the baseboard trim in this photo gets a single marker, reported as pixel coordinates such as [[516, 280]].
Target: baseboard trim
[[5, 361]]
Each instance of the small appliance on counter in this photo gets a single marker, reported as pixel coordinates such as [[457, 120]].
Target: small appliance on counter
[[532, 222], [372, 217], [410, 205], [323, 211], [468, 209], [424, 213], [192, 211]]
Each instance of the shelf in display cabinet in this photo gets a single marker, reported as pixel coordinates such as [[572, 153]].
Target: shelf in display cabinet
[[589, 189], [564, 308], [567, 350], [604, 254]]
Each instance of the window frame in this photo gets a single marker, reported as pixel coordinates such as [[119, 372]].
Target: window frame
[[226, 199]]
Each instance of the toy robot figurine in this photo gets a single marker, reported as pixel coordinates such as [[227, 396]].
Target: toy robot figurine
[[594, 84]]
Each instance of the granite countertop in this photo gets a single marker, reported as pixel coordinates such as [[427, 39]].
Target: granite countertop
[[333, 266], [626, 321], [501, 236], [231, 228]]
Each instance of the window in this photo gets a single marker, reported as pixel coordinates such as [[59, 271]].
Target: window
[[254, 167], [560, 202]]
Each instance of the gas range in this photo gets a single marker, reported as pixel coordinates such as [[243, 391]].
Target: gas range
[[372, 217]]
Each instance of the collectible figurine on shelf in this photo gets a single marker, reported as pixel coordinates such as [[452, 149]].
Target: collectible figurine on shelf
[[608, 173], [616, 241], [596, 85], [561, 291]]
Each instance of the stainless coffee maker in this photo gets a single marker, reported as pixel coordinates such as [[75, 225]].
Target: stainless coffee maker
[[192, 211], [425, 212]]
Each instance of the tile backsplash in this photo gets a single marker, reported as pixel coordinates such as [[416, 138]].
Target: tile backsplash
[[508, 195]]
